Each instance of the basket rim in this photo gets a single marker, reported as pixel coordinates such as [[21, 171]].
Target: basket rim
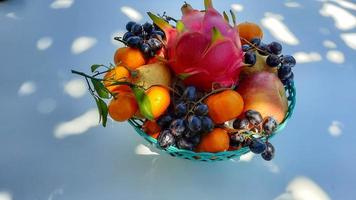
[[172, 149]]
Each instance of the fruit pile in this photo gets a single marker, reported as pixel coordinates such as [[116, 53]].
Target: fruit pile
[[201, 85]]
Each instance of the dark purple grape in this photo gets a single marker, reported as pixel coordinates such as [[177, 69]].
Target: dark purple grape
[[195, 140], [135, 42], [275, 48], [241, 124], [289, 61], [289, 79], [273, 60], [201, 109], [181, 109], [268, 154], [190, 93], [236, 140], [256, 41], [183, 143], [148, 27], [284, 72], [250, 58], [269, 125], [155, 44], [145, 49], [127, 35], [177, 127], [164, 121], [207, 124], [246, 47], [194, 123], [254, 117], [136, 29], [158, 34], [165, 139], [257, 146], [129, 26], [189, 134], [263, 49]]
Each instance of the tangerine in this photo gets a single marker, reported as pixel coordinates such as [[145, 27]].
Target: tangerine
[[225, 106], [118, 73], [216, 141], [123, 107], [248, 31], [159, 98], [129, 57]]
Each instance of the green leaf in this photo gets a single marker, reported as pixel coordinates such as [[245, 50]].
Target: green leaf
[[95, 67], [103, 111], [180, 26], [233, 17], [159, 22], [100, 89], [216, 35], [226, 17], [143, 103], [184, 76]]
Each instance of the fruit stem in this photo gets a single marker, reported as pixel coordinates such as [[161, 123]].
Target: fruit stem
[[85, 75], [255, 46]]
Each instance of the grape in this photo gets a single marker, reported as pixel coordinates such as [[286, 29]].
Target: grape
[[194, 123], [257, 146], [134, 41], [284, 72], [268, 154], [148, 27], [273, 61], [289, 79], [190, 134], [190, 93], [183, 143], [164, 121], [146, 49], [136, 29], [207, 124], [155, 44], [289, 61], [129, 25], [195, 140], [177, 127], [181, 109], [236, 140], [275, 48], [256, 41], [269, 125], [165, 139], [240, 124], [250, 58], [201, 109], [263, 49], [246, 47], [254, 117], [158, 34], [127, 35]]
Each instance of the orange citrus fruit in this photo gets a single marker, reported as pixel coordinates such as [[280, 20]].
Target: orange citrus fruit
[[248, 31], [118, 73], [123, 107], [129, 57], [151, 128], [225, 106], [159, 99], [216, 141]]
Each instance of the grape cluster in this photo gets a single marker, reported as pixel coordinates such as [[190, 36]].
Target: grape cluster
[[273, 51], [249, 132], [147, 38], [185, 122]]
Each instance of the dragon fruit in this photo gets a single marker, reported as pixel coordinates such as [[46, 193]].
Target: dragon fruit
[[203, 48]]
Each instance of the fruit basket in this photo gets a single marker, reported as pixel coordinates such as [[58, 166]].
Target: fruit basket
[[211, 157], [198, 88]]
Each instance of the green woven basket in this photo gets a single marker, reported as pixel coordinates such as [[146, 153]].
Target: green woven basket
[[226, 155]]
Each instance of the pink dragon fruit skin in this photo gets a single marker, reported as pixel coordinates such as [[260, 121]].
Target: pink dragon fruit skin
[[207, 51]]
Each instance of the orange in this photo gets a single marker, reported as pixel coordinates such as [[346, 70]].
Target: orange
[[118, 73], [129, 57], [123, 107], [216, 141], [159, 99], [225, 106], [151, 128], [248, 31]]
